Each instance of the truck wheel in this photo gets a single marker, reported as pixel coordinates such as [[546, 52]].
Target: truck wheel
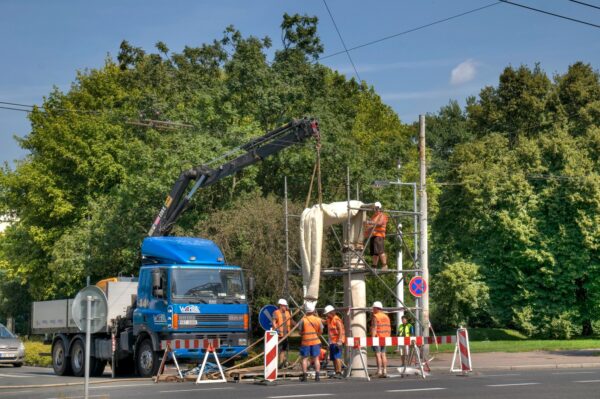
[[78, 359], [146, 359], [60, 361]]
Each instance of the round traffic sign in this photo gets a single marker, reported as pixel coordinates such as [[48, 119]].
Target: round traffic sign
[[98, 309], [417, 286], [265, 316]]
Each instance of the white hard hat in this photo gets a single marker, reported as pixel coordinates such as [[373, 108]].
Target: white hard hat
[[378, 204], [377, 305], [282, 302], [328, 309], [309, 307]]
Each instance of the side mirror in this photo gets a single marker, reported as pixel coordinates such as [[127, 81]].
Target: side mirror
[[251, 284], [157, 291], [156, 278]]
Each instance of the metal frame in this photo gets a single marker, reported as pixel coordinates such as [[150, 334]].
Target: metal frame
[[348, 252]]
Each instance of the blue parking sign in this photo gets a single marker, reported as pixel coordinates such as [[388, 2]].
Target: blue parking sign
[[265, 316]]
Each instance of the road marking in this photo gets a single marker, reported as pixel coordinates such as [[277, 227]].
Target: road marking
[[312, 395], [16, 376], [304, 384], [499, 375], [415, 390], [14, 392], [80, 397], [196, 389], [514, 385], [586, 381], [121, 386], [575, 372]]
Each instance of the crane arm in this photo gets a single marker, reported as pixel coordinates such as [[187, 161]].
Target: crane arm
[[292, 133]]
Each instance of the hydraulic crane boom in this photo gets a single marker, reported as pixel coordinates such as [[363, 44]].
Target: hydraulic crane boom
[[292, 133]]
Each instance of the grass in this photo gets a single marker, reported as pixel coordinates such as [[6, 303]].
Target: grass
[[504, 340]]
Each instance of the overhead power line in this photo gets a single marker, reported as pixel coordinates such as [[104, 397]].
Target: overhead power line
[[551, 13], [585, 4], [439, 21], [15, 109], [342, 40]]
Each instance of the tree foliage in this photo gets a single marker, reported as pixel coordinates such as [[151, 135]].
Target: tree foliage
[[88, 191], [524, 200]]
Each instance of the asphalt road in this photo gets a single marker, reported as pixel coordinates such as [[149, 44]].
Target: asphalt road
[[551, 383]]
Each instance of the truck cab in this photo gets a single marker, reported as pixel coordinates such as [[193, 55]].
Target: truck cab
[[186, 291]]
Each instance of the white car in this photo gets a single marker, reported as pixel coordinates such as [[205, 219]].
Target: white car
[[12, 350]]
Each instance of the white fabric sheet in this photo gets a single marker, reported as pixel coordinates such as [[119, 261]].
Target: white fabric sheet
[[313, 223]]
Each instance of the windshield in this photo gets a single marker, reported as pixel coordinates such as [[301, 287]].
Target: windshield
[[4, 333], [207, 285]]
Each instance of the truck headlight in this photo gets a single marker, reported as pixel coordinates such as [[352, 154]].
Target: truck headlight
[[21, 349], [243, 342]]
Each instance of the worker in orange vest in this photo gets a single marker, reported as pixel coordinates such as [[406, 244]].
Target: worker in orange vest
[[282, 322], [310, 328], [375, 229], [337, 336], [380, 327]]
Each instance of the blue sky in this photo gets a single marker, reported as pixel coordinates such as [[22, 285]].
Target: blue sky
[[44, 43]]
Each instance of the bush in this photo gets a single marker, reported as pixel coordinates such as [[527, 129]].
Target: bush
[[32, 354], [522, 320], [459, 296]]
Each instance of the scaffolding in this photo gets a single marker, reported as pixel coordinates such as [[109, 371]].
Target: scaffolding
[[361, 265]]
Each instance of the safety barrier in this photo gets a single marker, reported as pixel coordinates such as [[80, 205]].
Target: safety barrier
[[190, 344], [395, 341], [461, 339], [465, 353], [271, 355], [209, 345]]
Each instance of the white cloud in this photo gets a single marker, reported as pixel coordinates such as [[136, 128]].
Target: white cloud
[[463, 72]]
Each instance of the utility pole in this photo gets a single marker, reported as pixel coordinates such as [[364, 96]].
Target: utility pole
[[423, 253]]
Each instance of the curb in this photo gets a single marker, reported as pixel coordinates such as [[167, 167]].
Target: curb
[[69, 384], [530, 366]]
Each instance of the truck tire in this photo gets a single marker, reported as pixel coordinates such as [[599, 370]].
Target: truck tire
[[146, 359], [60, 361], [78, 359]]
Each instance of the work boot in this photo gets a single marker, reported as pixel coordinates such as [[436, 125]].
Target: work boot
[[303, 377], [317, 377]]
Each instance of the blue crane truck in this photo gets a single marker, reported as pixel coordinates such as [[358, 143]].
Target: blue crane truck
[[185, 290]]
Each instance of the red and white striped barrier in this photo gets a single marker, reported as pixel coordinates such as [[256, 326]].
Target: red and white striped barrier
[[395, 341], [271, 355], [465, 352], [190, 344]]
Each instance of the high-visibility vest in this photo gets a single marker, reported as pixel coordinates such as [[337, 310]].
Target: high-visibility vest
[[335, 329], [311, 328], [282, 322], [381, 322], [380, 219], [404, 330]]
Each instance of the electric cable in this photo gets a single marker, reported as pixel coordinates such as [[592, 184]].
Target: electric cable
[[342, 40], [439, 21], [551, 13], [584, 4]]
